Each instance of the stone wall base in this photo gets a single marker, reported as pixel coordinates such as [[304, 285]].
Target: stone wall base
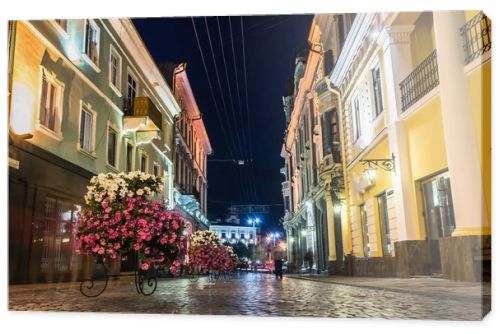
[[413, 258], [466, 258], [337, 268], [363, 266], [374, 266]]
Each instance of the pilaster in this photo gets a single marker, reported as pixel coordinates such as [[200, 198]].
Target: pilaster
[[464, 159], [397, 64]]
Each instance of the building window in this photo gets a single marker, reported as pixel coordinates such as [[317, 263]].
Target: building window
[[385, 229], [112, 141], [87, 130], [92, 41], [341, 31], [50, 103], [377, 91], [326, 131], [223, 234], [156, 169], [63, 24], [242, 236], [132, 89], [144, 163], [251, 236], [130, 153], [115, 69], [356, 115], [364, 231]]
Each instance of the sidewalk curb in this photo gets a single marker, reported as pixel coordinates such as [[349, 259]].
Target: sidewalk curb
[[399, 290]]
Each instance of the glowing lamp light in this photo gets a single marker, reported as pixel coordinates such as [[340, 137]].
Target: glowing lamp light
[[22, 109], [336, 208], [257, 220], [304, 232], [370, 174], [72, 52], [292, 239]]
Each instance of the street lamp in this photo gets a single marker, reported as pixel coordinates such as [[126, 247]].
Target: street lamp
[[254, 221], [274, 236]]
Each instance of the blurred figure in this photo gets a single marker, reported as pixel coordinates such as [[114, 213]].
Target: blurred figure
[[278, 256], [309, 258]]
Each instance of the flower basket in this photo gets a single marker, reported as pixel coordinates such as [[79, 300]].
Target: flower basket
[[122, 217], [207, 255]]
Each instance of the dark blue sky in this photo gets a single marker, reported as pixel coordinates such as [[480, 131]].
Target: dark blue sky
[[270, 44]]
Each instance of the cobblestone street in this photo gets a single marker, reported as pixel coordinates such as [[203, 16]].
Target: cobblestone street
[[251, 294]]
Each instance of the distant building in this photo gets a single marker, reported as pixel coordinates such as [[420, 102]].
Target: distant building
[[234, 233], [191, 149], [311, 147]]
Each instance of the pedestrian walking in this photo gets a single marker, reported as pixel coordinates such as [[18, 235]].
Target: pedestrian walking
[[278, 263]]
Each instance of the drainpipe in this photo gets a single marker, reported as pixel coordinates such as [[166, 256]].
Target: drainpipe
[[340, 111]]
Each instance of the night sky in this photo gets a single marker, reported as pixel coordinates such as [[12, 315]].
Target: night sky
[[254, 134]]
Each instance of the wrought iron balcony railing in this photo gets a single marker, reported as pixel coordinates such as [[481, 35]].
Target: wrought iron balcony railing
[[477, 36], [419, 82]]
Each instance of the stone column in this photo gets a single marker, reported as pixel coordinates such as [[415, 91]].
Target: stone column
[[397, 64], [464, 159]]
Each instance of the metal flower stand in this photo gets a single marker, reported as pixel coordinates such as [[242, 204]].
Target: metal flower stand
[[145, 280]]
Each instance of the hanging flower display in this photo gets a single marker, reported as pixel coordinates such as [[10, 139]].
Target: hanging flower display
[[121, 217]]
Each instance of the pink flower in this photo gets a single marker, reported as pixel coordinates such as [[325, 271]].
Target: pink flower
[[145, 266]]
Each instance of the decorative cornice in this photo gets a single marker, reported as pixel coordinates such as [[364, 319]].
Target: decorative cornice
[[396, 34], [352, 44]]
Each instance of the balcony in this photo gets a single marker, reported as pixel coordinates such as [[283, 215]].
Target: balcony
[[141, 115], [477, 37], [419, 82]]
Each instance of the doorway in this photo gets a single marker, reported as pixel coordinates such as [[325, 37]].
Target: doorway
[[438, 214]]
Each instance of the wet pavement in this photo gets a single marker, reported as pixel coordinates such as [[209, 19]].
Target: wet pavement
[[250, 294]]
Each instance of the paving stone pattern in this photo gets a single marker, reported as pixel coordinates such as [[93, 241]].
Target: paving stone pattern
[[250, 294]]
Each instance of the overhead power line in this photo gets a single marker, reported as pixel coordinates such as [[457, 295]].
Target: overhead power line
[[212, 90], [237, 148], [246, 100]]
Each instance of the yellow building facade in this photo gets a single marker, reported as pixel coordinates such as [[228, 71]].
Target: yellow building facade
[[415, 107]]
